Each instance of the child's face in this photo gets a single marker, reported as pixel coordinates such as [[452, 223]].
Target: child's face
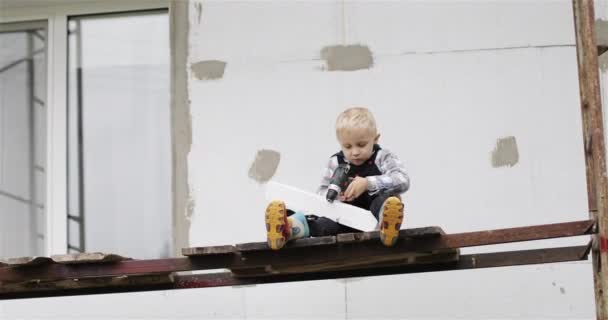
[[357, 144]]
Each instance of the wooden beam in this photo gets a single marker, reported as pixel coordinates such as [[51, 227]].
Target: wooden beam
[[70, 287], [47, 288], [595, 151], [469, 261], [370, 249], [343, 251]]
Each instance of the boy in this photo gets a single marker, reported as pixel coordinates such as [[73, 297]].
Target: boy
[[377, 178]]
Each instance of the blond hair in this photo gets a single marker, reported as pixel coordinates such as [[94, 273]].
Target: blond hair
[[356, 118]]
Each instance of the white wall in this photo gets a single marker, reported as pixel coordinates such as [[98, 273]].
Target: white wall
[[449, 79]]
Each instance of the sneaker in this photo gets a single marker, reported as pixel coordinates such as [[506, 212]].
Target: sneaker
[[391, 217], [278, 229]]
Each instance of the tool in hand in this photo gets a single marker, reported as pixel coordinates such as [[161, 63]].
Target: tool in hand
[[338, 183]]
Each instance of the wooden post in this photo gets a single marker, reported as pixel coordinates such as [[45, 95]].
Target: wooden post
[[595, 152]]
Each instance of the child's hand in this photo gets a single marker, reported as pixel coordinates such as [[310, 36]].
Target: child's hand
[[356, 187]]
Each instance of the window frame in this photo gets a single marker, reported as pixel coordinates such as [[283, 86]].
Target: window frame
[[56, 16]]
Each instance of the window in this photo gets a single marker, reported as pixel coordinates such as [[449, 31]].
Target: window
[[22, 138], [85, 128], [119, 134]]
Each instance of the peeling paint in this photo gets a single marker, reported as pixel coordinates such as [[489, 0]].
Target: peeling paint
[[209, 69], [265, 165], [601, 28], [347, 58], [505, 153]]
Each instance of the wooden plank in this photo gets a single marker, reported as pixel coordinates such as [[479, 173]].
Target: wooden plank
[[92, 257], [300, 243], [292, 266], [364, 262], [470, 261], [302, 255], [509, 235], [25, 261], [595, 149], [209, 251], [253, 272], [66, 286], [310, 259], [56, 271], [426, 232]]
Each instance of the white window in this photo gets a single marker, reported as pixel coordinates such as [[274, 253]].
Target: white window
[[85, 128], [22, 138], [119, 155]]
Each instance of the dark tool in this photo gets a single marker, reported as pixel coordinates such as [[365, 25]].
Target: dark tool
[[338, 183]]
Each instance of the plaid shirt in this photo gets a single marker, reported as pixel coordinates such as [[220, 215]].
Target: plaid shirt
[[393, 180]]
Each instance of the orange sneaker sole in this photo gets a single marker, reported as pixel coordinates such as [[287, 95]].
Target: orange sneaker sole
[[392, 217], [277, 225]]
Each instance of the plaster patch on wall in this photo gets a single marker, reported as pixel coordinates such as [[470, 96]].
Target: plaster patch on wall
[[209, 69], [601, 31], [505, 152], [265, 165], [347, 58]]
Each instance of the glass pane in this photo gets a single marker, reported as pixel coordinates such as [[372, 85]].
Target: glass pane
[[120, 137], [22, 142]]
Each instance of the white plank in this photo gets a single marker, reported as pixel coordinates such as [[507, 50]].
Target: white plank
[[310, 203]]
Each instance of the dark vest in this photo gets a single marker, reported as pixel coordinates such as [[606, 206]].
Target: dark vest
[[368, 168]]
